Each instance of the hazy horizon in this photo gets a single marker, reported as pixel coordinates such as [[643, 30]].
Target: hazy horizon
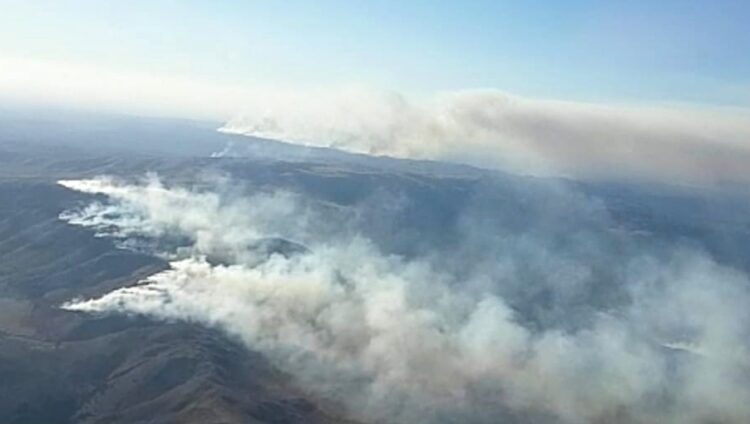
[[337, 212]]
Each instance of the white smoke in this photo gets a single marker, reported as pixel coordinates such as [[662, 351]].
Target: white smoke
[[225, 152], [407, 340], [493, 129]]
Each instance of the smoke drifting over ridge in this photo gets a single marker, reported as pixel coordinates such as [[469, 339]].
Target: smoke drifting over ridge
[[569, 320], [490, 128]]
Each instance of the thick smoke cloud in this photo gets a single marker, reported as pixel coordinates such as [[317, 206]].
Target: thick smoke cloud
[[493, 129], [569, 320]]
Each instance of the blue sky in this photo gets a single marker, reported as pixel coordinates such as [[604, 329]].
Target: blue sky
[[625, 51]]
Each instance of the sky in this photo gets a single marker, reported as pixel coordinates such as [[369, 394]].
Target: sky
[[577, 88], [671, 51]]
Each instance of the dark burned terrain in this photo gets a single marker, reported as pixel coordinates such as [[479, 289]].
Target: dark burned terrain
[[64, 367]]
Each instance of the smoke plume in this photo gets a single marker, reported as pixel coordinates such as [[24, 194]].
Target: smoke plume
[[490, 128], [568, 320]]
